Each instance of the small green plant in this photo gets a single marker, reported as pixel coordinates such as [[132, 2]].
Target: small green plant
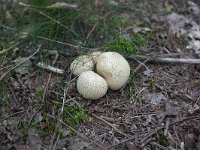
[[152, 82], [74, 115], [162, 140], [140, 40], [40, 91]]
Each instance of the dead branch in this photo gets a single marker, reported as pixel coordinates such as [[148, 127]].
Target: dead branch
[[50, 68], [165, 59]]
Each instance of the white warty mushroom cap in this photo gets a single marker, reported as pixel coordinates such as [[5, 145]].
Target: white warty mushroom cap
[[114, 68], [81, 64], [91, 85]]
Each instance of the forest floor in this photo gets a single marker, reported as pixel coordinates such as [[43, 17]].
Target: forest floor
[[158, 109]]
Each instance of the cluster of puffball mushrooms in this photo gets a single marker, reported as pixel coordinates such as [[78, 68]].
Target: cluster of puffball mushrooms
[[112, 71]]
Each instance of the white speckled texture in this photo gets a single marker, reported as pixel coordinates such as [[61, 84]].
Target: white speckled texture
[[91, 85], [114, 68], [95, 56], [81, 64]]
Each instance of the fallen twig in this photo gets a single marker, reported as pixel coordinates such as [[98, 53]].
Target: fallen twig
[[62, 5], [58, 5], [165, 59], [50, 68]]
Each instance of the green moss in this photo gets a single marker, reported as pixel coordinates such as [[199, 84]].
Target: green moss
[[122, 45], [74, 115]]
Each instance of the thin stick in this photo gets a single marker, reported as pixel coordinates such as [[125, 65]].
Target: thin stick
[[50, 68], [165, 59], [63, 5], [178, 60], [60, 5], [19, 64]]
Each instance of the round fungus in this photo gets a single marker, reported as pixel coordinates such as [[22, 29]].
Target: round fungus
[[81, 64], [114, 68], [91, 85], [95, 56]]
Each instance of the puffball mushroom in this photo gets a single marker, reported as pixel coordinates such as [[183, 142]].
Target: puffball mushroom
[[91, 85], [81, 64], [95, 56], [114, 68]]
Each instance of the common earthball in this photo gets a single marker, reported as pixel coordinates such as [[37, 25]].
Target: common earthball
[[91, 85], [82, 63], [114, 68]]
